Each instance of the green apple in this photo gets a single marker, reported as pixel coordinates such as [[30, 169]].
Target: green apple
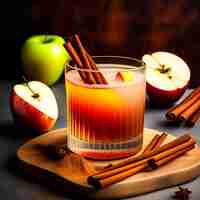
[[43, 58]]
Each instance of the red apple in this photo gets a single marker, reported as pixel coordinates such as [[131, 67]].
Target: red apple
[[34, 105], [167, 77]]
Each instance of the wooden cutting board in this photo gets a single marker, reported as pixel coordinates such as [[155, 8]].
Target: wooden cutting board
[[72, 171]]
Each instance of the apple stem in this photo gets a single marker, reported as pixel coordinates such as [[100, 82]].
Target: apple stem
[[47, 39], [162, 68], [34, 94]]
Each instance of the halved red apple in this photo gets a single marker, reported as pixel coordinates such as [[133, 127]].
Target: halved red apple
[[34, 105], [167, 77]]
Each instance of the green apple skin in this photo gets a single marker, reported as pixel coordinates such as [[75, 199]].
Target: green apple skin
[[43, 58]]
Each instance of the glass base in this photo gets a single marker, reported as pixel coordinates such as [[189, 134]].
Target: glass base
[[105, 151]]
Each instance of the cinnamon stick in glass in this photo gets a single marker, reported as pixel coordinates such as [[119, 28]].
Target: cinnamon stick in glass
[[87, 68], [89, 63], [174, 112], [98, 75], [75, 57], [84, 59]]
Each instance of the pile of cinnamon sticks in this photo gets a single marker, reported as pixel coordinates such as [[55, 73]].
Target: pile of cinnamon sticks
[[85, 64], [152, 157], [188, 110]]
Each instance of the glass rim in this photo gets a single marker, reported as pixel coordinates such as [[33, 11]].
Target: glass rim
[[125, 67]]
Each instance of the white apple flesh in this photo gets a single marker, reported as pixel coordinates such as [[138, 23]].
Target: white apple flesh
[[38, 110], [167, 77]]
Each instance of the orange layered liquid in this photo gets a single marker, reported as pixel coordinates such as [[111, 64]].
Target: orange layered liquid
[[105, 121]]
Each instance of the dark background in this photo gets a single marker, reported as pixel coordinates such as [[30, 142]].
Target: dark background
[[117, 27]]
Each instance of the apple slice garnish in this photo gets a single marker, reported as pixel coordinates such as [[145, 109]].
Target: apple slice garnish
[[124, 76]]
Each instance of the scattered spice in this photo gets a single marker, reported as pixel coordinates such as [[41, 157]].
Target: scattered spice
[[152, 164], [182, 193], [54, 152], [57, 152]]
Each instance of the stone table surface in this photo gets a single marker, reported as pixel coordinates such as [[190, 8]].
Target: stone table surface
[[14, 185]]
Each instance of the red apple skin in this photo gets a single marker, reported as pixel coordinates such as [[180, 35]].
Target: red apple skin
[[162, 98], [28, 116]]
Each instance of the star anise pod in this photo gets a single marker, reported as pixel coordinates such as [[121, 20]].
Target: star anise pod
[[182, 193]]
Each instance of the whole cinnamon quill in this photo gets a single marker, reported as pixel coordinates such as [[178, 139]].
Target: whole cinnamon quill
[[187, 110], [86, 66], [152, 159]]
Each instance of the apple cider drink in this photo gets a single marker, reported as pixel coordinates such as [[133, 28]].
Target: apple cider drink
[[105, 121]]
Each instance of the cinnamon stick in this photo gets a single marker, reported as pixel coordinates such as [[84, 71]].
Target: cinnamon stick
[[174, 112], [90, 73], [84, 59], [147, 151], [97, 183], [98, 75], [193, 119], [125, 174], [186, 114], [73, 54], [133, 159], [89, 63], [116, 170], [160, 140], [164, 147], [156, 142], [175, 155], [150, 146], [105, 179]]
